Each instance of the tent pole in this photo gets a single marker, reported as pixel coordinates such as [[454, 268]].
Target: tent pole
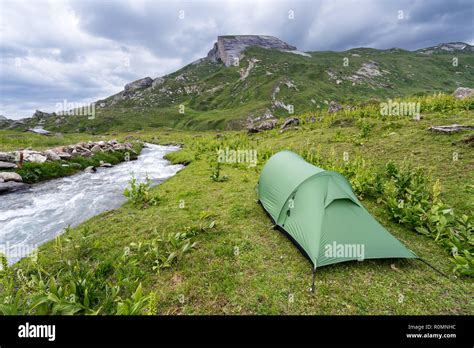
[[314, 276]]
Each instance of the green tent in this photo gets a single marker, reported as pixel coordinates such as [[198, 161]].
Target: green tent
[[319, 211]]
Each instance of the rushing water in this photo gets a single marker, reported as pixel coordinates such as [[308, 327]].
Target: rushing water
[[32, 217]]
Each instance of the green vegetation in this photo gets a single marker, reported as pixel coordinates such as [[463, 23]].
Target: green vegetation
[[14, 140], [207, 247], [138, 193], [215, 97]]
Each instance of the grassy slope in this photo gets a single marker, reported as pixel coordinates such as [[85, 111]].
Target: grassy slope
[[268, 268]]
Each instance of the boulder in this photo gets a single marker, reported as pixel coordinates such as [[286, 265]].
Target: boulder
[[132, 87], [52, 156], [262, 126], [10, 176], [463, 92], [63, 155], [450, 129], [119, 147], [290, 122], [35, 157], [7, 157], [7, 165], [106, 165], [90, 169], [334, 106], [12, 186], [96, 148]]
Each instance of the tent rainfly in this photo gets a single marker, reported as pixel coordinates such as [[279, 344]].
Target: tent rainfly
[[319, 211]]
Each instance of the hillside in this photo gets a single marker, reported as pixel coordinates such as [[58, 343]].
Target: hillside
[[247, 78]]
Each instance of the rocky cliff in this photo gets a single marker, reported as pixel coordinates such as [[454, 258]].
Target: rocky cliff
[[229, 48]]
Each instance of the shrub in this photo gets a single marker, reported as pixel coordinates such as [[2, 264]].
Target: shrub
[[138, 193]]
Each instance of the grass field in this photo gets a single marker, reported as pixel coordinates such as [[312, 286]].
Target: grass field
[[239, 264]]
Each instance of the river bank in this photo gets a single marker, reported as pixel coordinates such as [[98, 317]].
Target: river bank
[[20, 168], [33, 216]]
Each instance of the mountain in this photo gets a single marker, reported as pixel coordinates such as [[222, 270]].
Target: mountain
[[450, 47], [250, 77]]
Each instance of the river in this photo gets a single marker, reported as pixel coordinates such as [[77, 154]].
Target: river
[[32, 217]]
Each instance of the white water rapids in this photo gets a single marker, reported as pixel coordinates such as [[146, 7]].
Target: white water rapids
[[32, 217]]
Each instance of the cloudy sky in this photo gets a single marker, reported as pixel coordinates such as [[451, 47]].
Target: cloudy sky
[[81, 51]]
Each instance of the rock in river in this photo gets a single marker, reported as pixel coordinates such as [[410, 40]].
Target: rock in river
[[12, 186], [10, 176]]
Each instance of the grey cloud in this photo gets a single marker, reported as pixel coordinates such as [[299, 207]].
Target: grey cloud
[[74, 49]]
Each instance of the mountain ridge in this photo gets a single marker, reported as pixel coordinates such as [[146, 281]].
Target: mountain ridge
[[268, 78]]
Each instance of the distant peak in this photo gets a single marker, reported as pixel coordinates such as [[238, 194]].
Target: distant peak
[[448, 47], [228, 48]]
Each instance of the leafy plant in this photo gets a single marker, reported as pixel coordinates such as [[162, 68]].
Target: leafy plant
[[139, 193], [216, 173]]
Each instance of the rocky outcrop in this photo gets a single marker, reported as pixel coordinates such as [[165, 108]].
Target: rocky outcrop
[[463, 92], [229, 49], [449, 47], [334, 107], [41, 115], [450, 129], [290, 122], [262, 126], [132, 87]]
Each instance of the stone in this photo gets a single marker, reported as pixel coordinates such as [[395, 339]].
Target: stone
[[39, 130], [86, 153], [106, 165], [52, 156], [12, 186], [35, 157], [7, 157], [10, 176], [90, 169], [290, 122], [63, 155], [157, 82], [450, 129], [262, 126], [7, 165], [132, 87], [119, 147], [96, 148], [463, 92], [334, 107]]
